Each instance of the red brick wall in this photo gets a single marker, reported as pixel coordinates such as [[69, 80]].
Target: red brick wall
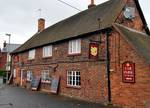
[[93, 83], [136, 95], [93, 74], [136, 23], [3, 59]]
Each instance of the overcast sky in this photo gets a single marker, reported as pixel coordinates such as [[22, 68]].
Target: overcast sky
[[19, 17]]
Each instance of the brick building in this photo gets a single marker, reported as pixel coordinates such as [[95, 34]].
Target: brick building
[[3, 59], [4, 54], [99, 55]]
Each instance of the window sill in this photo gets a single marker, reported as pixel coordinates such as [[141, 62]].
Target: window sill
[[45, 82], [74, 87], [31, 59], [49, 57], [28, 81], [74, 54]]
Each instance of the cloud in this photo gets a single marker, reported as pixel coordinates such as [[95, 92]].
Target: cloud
[[19, 17]]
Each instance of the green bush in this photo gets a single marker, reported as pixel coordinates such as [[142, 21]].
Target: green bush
[[2, 73]]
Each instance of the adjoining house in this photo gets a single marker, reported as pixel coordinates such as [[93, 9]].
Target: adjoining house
[[99, 55], [5, 58]]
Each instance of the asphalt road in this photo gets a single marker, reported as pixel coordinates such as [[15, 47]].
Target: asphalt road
[[15, 97]]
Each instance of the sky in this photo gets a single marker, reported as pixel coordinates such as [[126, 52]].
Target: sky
[[19, 17]]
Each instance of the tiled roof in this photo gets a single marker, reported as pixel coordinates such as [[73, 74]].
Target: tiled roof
[[77, 25], [140, 41], [10, 47]]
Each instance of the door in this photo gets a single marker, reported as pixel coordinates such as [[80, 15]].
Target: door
[[21, 80]]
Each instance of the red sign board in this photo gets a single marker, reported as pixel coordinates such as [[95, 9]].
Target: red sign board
[[128, 72], [93, 51]]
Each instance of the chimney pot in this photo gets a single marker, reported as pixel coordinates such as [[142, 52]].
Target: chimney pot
[[92, 4], [4, 44], [41, 24]]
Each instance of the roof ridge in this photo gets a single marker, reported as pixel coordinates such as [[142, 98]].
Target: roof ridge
[[76, 25], [140, 42], [81, 12]]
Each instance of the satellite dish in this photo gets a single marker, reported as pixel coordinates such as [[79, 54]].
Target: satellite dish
[[129, 12]]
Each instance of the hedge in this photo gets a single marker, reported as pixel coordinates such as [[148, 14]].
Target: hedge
[[2, 73]]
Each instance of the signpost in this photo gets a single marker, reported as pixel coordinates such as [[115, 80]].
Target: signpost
[[128, 72]]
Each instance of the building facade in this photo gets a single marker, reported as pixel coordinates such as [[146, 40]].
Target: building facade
[[98, 55], [5, 58]]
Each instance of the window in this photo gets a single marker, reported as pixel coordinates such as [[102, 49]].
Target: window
[[14, 75], [75, 46], [31, 54], [29, 75], [45, 76], [73, 78], [47, 51]]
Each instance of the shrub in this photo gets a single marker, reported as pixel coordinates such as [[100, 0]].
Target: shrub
[[2, 73]]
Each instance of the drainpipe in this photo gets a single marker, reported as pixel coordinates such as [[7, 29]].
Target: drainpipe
[[108, 65]]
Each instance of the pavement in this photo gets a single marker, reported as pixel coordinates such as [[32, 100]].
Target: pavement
[[16, 97]]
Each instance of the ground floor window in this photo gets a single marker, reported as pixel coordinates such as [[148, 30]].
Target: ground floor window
[[73, 78], [45, 76], [29, 75]]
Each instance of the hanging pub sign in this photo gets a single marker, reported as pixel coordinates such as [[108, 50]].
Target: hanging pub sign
[[93, 50], [128, 72]]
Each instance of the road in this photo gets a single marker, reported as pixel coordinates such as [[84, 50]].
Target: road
[[16, 97]]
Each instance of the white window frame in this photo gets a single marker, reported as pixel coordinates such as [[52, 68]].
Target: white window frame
[[29, 75], [14, 73], [31, 54], [43, 76], [74, 46], [74, 78], [47, 51]]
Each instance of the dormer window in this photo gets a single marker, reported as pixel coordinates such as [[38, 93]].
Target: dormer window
[[31, 54], [75, 46]]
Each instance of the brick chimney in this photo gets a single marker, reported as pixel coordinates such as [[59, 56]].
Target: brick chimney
[[92, 4], [41, 24]]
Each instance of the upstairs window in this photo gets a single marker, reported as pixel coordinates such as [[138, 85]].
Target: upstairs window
[[47, 51], [75, 46], [31, 54]]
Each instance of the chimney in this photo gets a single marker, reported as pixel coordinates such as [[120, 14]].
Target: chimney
[[41, 24], [4, 44], [92, 4]]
